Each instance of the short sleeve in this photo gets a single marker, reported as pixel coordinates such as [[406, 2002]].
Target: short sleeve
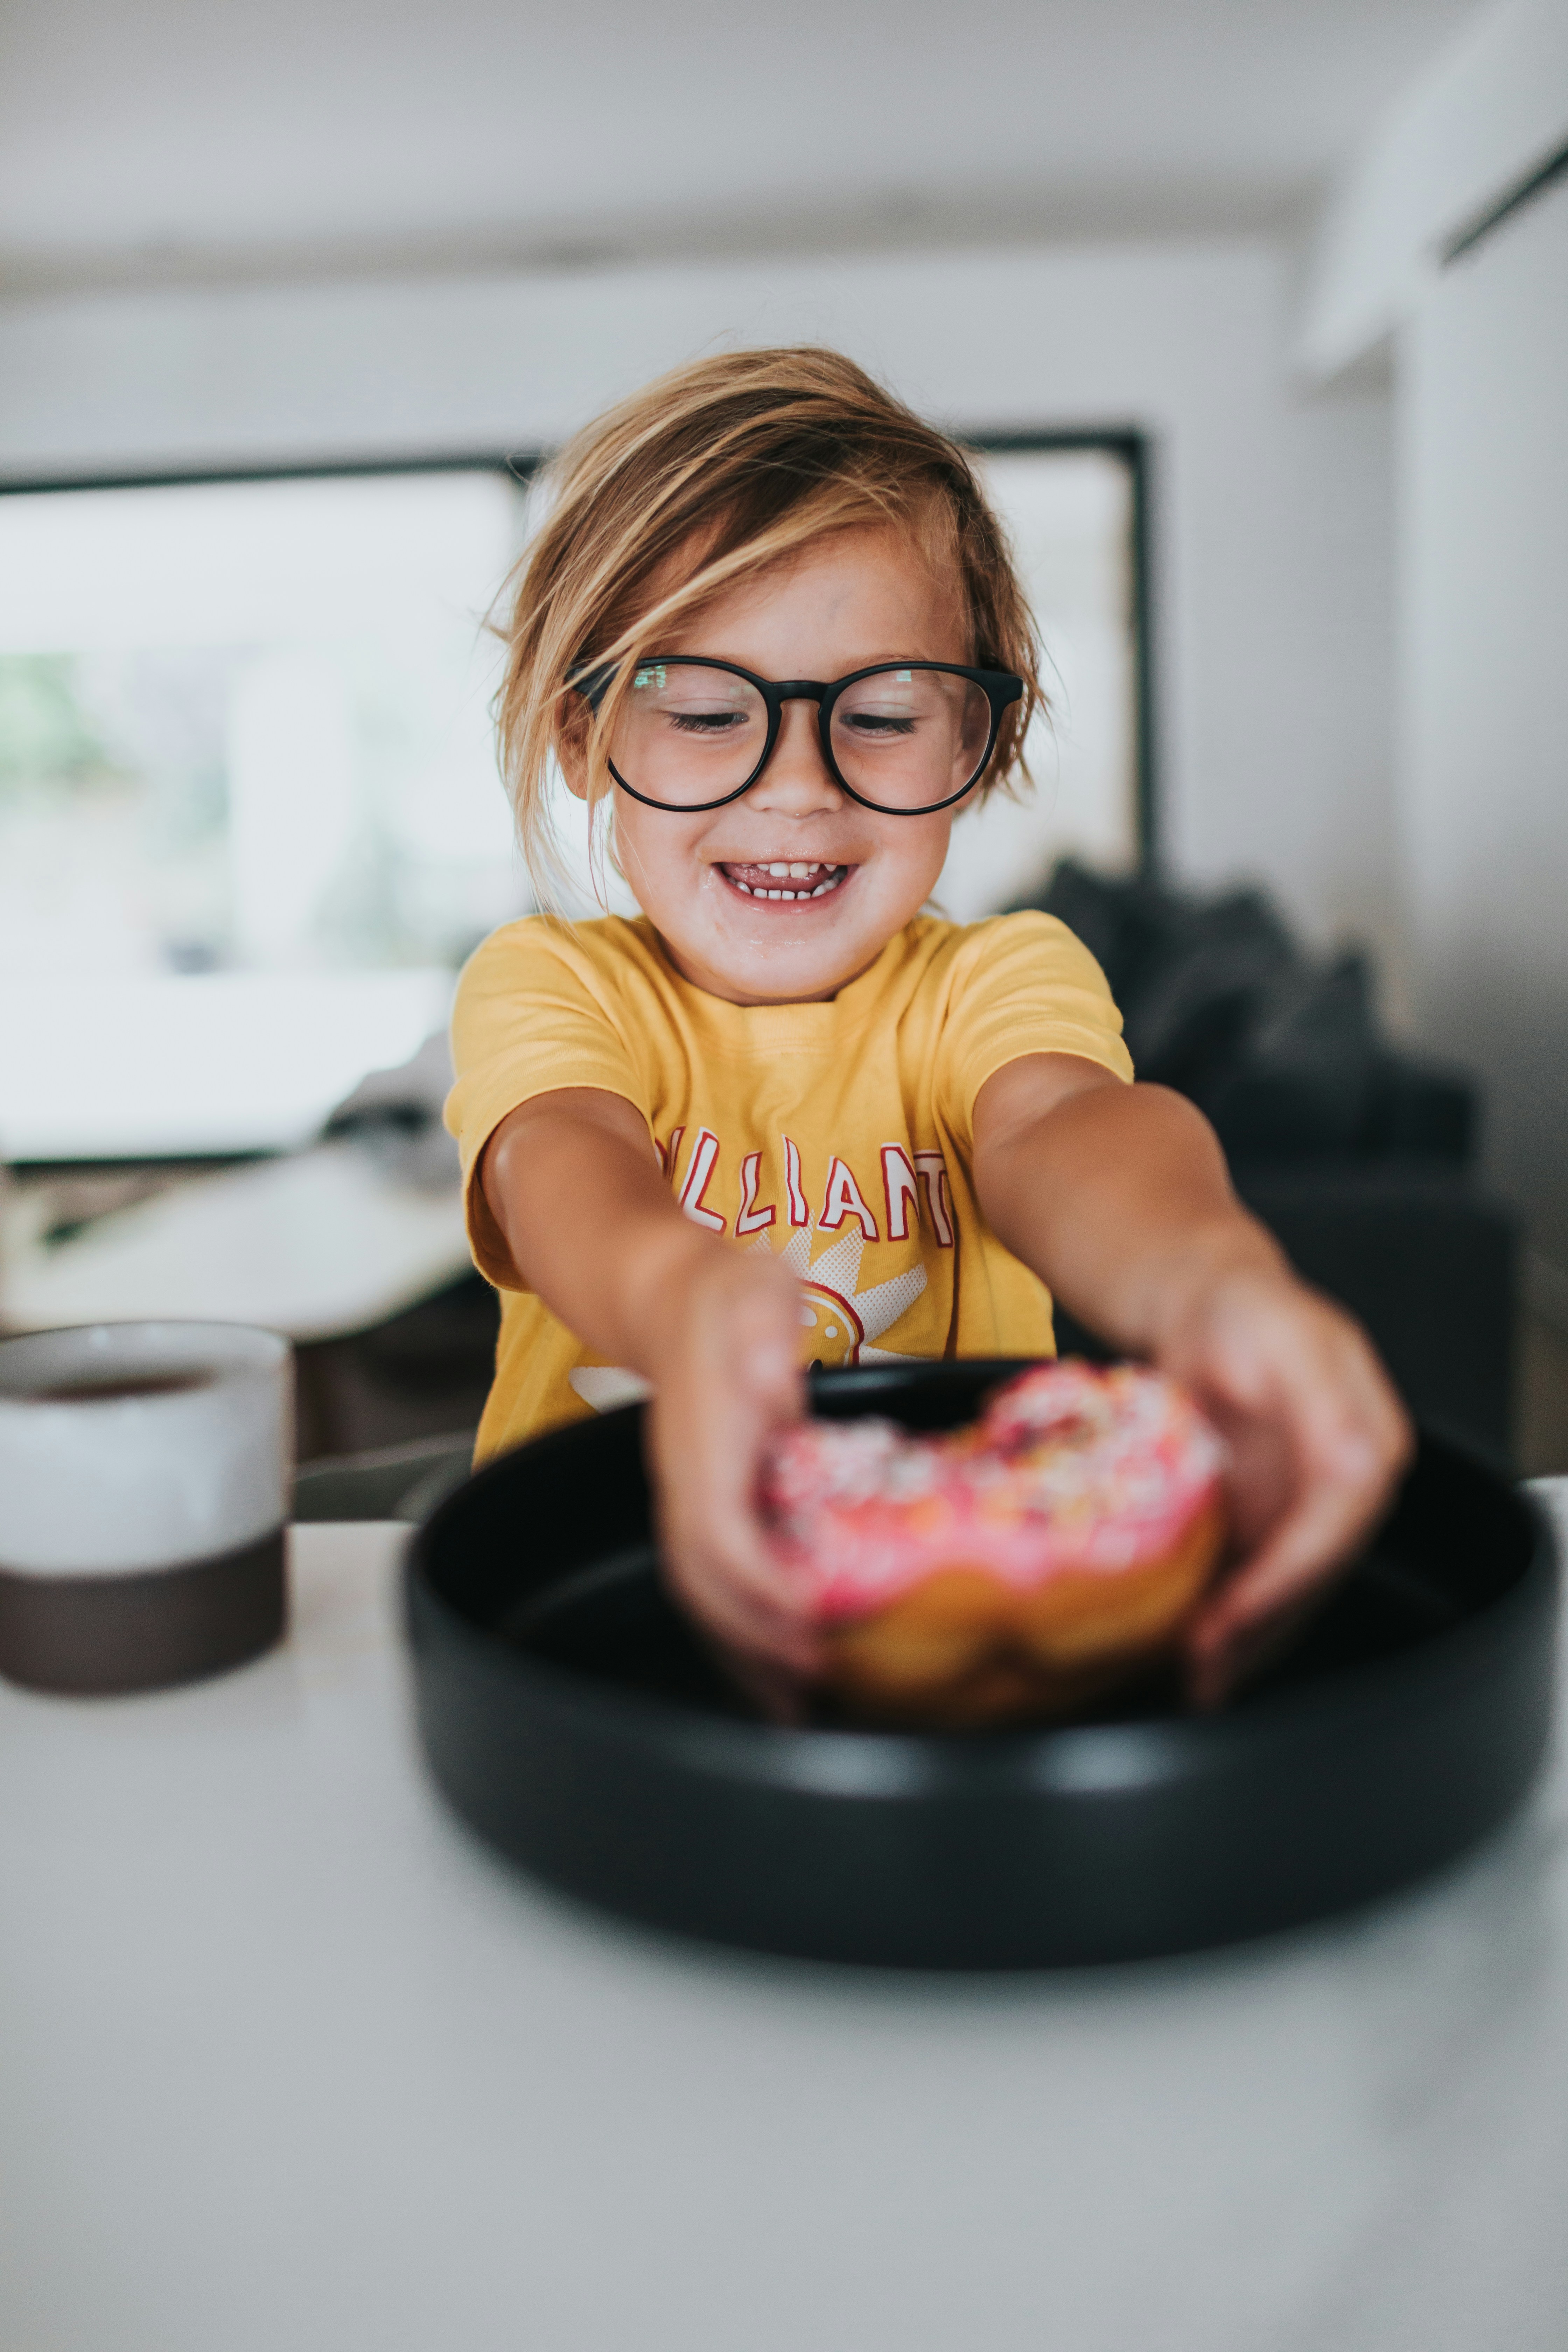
[[531, 1014], [1025, 985]]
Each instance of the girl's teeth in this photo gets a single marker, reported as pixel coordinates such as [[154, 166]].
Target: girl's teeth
[[796, 872]]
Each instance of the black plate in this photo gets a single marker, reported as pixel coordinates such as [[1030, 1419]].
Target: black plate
[[573, 1719]]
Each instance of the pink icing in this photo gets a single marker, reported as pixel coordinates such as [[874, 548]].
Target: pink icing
[[1069, 1468]]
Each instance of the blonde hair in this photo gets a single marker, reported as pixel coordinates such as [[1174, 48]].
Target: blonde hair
[[739, 461]]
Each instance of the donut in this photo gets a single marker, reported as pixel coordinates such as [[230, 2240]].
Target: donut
[[1021, 1565]]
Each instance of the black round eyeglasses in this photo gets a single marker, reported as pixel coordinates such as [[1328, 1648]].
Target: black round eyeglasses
[[902, 737]]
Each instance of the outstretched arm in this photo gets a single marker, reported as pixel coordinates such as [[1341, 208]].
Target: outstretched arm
[[1118, 1197], [575, 1187]]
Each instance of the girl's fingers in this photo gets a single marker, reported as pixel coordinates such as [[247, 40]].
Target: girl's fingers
[[742, 1599], [711, 1527], [1342, 1440], [709, 1426], [1303, 1556], [742, 1609], [719, 1562]]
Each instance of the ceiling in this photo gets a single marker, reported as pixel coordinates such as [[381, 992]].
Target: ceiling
[[203, 138]]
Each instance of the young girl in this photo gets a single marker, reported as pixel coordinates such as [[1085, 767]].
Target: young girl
[[785, 1117]]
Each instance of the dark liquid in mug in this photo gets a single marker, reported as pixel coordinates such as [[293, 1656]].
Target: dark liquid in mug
[[108, 1388]]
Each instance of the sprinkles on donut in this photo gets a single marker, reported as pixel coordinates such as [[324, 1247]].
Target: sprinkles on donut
[[1023, 1564]]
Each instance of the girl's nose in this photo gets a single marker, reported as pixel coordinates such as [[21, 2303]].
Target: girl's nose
[[796, 782]]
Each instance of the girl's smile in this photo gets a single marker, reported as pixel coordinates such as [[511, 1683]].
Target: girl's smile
[[783, 879]]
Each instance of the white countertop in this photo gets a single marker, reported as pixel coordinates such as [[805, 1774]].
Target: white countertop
[[287, 2064]]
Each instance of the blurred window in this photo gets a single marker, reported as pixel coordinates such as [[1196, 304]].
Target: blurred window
[[243, 725], [247, 780]]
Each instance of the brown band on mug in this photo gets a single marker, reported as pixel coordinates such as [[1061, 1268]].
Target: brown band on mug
[[144, 1631]]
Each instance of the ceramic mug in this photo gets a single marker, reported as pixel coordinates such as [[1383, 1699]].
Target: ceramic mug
[[145, 1484]]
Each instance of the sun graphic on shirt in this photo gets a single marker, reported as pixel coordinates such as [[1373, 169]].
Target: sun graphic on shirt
[[840, 1322], [843, 1319]]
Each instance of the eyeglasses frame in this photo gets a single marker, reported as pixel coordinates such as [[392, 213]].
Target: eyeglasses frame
[[1000, 688]]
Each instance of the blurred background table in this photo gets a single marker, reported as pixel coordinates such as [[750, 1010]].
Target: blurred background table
[[315, 1244], [289, 2060]]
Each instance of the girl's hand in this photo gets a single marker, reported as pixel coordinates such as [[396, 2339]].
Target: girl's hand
[[584, 1209], [725, 1378], [1316, 1438], [1118, 1198]]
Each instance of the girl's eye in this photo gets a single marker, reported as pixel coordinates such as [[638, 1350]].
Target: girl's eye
[[707, 722], [878, 722]]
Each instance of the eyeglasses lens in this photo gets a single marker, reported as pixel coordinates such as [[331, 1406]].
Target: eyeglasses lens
[[686, 735], [907, 738]]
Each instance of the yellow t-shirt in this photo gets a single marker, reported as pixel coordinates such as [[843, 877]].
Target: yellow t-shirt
[[836, 1135]]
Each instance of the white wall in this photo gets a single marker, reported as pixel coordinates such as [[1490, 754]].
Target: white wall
[[1483, 823], [1480, 420], [1273, 525], [1489, 110]]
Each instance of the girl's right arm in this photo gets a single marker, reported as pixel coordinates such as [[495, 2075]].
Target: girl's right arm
[[575, 1187]]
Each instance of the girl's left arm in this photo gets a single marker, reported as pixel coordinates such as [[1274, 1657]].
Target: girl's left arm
[[1118, 1199]]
